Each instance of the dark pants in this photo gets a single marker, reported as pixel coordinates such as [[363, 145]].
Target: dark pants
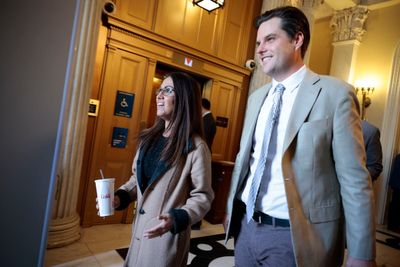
[[263, 245], [394, 211]]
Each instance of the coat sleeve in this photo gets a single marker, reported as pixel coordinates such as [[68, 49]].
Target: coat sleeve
[[355, 183], [127, 193], [201, 194]]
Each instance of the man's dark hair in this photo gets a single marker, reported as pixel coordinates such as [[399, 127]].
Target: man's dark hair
[[293, 21], [206, 103]]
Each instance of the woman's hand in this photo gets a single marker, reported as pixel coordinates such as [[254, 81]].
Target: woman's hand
[[164, 226], [116, 203]]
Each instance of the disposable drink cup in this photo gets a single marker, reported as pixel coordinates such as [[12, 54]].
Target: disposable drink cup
[[105, 196]]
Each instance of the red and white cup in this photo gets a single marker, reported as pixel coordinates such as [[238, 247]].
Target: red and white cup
[[105, 196]]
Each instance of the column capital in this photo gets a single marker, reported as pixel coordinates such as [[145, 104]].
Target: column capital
[[313, 4], [348, 23]]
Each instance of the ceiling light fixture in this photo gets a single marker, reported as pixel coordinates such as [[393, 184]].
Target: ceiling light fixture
[[209, 5]]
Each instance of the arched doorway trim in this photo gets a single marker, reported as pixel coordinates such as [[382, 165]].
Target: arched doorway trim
[[390, 134]]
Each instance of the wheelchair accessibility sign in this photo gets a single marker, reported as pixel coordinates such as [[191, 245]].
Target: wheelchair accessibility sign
[[124, 104]]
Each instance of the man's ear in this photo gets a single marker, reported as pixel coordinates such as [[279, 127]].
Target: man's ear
[[298, 40]]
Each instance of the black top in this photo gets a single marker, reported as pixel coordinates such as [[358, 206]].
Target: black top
[[151, 159]]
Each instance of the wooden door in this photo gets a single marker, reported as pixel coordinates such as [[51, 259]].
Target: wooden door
[[124, 75], [223, 109], [221, 183]]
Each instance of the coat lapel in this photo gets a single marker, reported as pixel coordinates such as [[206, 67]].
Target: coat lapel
[[139, 168], [162, 166], [305, 99]]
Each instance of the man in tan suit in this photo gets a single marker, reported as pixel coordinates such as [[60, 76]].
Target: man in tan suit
[[315, 192]]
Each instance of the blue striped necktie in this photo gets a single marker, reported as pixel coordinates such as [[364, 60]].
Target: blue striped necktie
[[271, 123]]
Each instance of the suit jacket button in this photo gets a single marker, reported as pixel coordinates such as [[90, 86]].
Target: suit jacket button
[[141, 211]]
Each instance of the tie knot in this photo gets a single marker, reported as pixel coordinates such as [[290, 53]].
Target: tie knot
[[280, 88]]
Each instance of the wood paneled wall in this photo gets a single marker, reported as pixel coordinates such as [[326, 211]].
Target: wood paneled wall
[[224, 33]]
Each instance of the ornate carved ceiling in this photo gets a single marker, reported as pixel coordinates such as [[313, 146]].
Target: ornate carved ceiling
[[329, 6], [371, 4]]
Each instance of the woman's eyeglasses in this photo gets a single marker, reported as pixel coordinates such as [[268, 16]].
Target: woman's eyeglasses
[[166, 91]]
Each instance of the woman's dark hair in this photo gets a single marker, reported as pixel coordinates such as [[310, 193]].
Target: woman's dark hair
[[293, 21], [185, 121]]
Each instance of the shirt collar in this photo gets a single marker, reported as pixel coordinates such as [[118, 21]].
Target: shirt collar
[[293, 81], [205, 113]]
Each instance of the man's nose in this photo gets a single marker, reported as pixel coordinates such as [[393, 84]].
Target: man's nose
[[260, 48]]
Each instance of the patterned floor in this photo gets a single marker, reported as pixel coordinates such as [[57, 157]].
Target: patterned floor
[[98, 244], [208, 251]]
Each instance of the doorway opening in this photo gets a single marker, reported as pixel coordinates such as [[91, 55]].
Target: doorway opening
[[161, 71]]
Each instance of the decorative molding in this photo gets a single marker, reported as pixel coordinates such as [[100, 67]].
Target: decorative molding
[[305, 3], [347, 42], [162, 52], [117, 25], [129, 33], [64, 231], [269, 4], [348, 24]]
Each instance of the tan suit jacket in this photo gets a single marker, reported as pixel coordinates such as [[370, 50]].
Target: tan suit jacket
[[328, 188]]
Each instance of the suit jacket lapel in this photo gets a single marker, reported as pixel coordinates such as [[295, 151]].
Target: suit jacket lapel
[[305, 99], [253, 110]]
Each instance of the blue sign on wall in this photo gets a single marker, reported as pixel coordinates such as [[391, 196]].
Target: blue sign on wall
[[119, 137], [124, 104]]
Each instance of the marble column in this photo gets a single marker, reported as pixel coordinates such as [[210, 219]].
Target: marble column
[[259, 78], [347, 30], [65, 222]]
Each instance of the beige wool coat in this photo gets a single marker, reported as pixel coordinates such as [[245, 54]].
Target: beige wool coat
[[191, 191]]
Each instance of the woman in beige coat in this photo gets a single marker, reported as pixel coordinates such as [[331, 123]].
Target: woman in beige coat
[[171, 178]]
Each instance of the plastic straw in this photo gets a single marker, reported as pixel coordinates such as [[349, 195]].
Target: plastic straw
[[101, 173]]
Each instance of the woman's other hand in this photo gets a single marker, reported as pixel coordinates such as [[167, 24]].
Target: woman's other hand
[[164, 226]]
